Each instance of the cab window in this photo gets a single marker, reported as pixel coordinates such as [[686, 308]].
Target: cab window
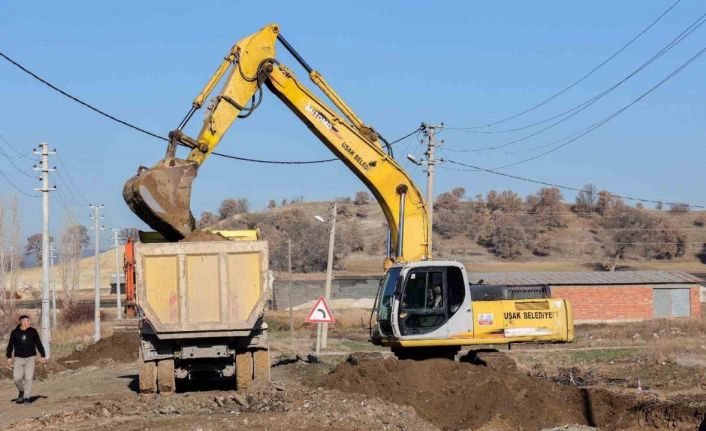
[[424, 291]]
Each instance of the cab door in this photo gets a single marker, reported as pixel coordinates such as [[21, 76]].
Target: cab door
[[423, 302]]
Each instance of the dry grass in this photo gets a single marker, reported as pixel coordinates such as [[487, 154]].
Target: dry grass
[[636, 333], [345, 319]]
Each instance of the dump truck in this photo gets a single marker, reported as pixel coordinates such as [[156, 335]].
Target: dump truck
[[201, 306]]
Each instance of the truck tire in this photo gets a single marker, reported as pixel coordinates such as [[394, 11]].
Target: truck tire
[[148, 377], [243, 369], [261, 361], [166, 382]]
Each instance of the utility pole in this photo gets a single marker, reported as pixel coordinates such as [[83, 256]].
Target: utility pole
[[289, 291], [44, 154], [329, 271], [52, 284], [117, 273], [97, 294], [430, 160]]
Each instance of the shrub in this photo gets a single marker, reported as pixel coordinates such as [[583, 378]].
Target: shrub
[[77, 312], [231, 207], [547, 207], [503, 236], [701, 255], [542, 247], [207, 219], [361, 198], [506, 201], [309, 239], [679, 208], [636, 231]]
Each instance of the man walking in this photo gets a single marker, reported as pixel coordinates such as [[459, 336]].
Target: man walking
[[24, 342]]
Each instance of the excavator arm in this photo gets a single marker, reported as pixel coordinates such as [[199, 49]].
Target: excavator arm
[[161, 195]]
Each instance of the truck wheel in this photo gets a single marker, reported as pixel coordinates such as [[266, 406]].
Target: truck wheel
[[166, 382], [243, 369], [261, 360], [148, 377]]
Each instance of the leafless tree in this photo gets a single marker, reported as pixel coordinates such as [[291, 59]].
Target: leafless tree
[[547, 207], [231, 207], [14, 251], [70, 251], [459, 192], [34, 247], [361, 198], [207, 219], [586, 199]]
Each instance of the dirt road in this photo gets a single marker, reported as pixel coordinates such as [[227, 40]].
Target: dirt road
[[91, 398], [361, 393]]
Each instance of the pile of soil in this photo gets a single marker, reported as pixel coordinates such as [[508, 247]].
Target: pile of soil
[[204, 235], [41, 372], [121, 347], [458, 395]]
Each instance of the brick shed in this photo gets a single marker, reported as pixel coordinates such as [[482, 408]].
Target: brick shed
[[613, 296]]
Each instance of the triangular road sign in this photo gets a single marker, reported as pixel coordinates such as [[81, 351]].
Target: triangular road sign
[[320, 313]]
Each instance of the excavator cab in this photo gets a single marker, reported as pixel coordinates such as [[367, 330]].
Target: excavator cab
[[417, 299]]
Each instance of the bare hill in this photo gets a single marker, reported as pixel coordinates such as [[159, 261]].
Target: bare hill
[[550, 237]]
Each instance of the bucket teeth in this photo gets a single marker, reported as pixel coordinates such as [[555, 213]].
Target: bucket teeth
[[161, 196]]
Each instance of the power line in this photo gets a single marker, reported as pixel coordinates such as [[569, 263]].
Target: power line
[[14, 186], [578, 81], [559, 186], [598, 124], [19, 154], [154, 135], [71, 181], [12, 162], [572, 112], [63, 203]]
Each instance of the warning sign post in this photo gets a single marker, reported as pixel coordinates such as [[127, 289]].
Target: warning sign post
[[319, 314]]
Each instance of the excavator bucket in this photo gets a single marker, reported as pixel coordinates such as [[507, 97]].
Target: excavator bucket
[[161, 195]]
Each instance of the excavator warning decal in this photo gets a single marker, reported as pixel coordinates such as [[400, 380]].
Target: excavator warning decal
[[320, 313]]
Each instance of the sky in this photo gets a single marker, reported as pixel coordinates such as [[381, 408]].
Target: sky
[[397, 63]]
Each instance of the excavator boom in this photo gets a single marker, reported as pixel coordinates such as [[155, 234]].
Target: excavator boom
[[160, 195]]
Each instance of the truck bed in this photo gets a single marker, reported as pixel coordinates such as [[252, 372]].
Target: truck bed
[[201, 287]]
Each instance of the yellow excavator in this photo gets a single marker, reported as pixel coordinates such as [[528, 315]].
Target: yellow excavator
[[423, 306]]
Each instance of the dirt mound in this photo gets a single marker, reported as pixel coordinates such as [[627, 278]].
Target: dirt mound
[[121, 347], [41, 372], [458, 395], [204, 235]]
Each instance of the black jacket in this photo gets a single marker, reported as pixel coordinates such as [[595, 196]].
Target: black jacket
[[24, 343]]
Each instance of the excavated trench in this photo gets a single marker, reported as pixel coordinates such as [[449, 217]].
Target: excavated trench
[[461, 395]]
